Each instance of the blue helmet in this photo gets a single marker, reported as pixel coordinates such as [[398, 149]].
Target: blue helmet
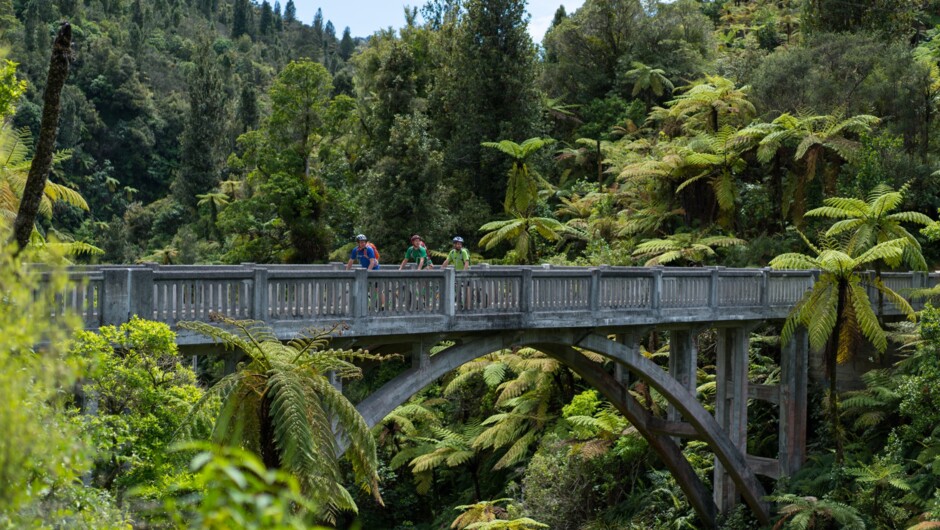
[[361, 237], [458, 239]]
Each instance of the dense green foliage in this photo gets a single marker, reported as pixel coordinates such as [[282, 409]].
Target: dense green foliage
[[689, 132], [282, 406]]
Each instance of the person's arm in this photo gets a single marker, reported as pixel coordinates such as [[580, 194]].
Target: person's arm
[[466, 263], [349, 264], [402, 266], [423, 258], [352, 258], [372, 261]]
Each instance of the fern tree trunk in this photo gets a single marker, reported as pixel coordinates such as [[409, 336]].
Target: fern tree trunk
[[832, 361], [776, 192], [600, 168], [48, 130], [269, 453]]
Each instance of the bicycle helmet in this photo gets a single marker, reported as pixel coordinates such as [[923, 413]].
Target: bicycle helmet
[[361, 237], [458, 239], [416, 236]]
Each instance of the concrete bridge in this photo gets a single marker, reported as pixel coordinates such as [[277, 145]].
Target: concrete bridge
[[560, 311]]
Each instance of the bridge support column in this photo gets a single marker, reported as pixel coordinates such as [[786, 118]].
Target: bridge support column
[[632, 341], [731, 405], [421, 354], [683, 364], [793, 379]]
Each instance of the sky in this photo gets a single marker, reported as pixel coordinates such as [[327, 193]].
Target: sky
[[365, 17]]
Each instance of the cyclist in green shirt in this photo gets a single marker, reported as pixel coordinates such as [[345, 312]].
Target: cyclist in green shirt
[[416, 253], [458, 256]]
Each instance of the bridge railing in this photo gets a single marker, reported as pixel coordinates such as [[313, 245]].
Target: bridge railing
[[326, 293]]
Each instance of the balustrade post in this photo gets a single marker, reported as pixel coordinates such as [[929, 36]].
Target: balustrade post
[[713, 288], [359, 298], [525, 291], [141, 293], [259, 294], [450, 291], [764, 299], [115, 295], [595, 292], [656, 296]]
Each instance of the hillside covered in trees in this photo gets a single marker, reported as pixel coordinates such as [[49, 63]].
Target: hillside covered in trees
[[689, 133], [214, 131]]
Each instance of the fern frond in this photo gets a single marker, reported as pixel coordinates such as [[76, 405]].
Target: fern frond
[[866, 319], [218, 335], [517, 451]]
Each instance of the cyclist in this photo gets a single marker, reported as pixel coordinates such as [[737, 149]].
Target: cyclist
[[458, 256], [417, 253], [364, 253]]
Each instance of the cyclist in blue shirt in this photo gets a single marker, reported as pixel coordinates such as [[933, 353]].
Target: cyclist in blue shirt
[[365, 253]]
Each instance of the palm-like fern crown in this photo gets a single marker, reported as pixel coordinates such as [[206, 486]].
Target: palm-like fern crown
[[875, 221], [487, 515], [523, 186], [524, 383], [648, 78], [281, 402], [693, 247], [827, 132], [14, 167], [840, 276], [519, 230], [810, 512], [714, 96], [873, 405]]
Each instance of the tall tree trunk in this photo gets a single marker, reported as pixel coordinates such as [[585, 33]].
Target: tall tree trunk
[[600, 168], [48, 130], [776, 193], [832, 361]]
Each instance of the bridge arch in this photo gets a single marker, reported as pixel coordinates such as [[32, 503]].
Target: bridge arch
[[561, 345]]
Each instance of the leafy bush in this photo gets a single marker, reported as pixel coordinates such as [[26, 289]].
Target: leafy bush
[[138, 392]]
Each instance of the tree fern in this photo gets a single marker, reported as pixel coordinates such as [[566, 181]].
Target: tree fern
[[281, 405], [839, 324], [809, 512], [522, 188], [875, 222], [694, 248]]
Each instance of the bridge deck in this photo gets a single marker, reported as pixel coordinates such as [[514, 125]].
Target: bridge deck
[[291, 298]]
